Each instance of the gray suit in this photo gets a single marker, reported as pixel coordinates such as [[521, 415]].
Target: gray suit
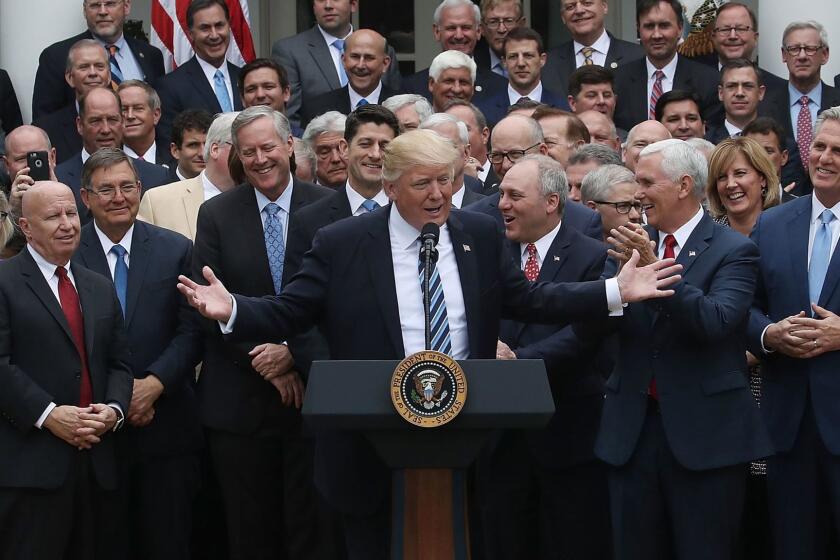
[[309, 64]]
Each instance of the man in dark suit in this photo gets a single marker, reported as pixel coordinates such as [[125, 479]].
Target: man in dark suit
[[498, 17], [465, 189], [10, 117], [793, 331], [207, 80], [384, 320], [771, 136], [640, 83], [679, 422], [158, 453], [133, 59], [141, 113], [591, 44], [66, 384], [479, 134], [679, 111], [100, 124], [544, 494], [263, 464], [741, 90], [264, 82], [365, 61], [524, 57]]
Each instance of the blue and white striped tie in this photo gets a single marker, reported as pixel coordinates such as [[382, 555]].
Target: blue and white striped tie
[[441, 341]]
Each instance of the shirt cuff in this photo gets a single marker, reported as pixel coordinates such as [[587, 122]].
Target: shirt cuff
[[43, 418], [614, 303], [763, 347], [227, 328], [116, 406]]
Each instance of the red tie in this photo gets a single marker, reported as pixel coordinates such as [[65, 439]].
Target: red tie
[[670, 242], [655, 93], [73, 312], [804, 132], [532, 265]]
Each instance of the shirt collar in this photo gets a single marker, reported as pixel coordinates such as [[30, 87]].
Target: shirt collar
[[404, 234], [210, 70], [356, 199], [85, 155], [817, 208], [284, 201], [210, 190], [119, 43], [731, 128], [601, 44], [684, 231], [458, 197], [148, 156], [543, 244], [330, 38], [47, 268], [669, 69], [494, 59], [534, 95], [814, 96], [372, 98], [107, 243]]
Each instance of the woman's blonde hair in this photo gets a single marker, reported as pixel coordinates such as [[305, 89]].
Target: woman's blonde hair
[[724, 155]]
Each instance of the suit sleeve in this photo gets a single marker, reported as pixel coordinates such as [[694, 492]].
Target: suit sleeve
[[10, 116], [48, 92], [171, 104], [281, 54], [759, 321], [120, 379]]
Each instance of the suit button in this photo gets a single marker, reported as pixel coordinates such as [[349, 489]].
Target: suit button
[[654, 354], [78, 375]]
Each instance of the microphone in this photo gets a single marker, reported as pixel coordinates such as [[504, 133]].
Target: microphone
[[428, 255], [428, 240]]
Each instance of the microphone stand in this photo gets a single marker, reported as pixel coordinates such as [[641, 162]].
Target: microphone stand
[[428, 250]]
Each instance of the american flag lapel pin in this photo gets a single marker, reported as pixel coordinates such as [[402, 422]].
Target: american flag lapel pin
[[467, 248], [692, 254], [556, 258]]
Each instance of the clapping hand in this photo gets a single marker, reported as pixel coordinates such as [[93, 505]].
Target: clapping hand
[[638, 283], [627, 238], [820, 334]]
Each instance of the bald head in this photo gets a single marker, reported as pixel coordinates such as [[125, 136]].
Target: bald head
[[517, 135], [641, 135], [365, 60], [21, 141], [366, 36], [601, 129], [50, 221]]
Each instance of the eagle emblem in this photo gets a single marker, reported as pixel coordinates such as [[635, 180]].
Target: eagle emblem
[[427, 389]]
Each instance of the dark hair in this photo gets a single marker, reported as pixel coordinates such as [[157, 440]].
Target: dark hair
[[736, 63], [198, 5], [524, 34], [524, 104], [644, 6], [83, 100], [766, 125], [674, 96], [590, 75], [376, 114], [575, 129], [258, 63], [190, 119], [730, 5], [480, 119], [104, 158]]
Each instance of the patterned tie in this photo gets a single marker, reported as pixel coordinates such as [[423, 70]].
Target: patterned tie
[[587, 55], [500, 69], [342, 74], [362, 102], [370, 205], [275, 247], [437, 311], [120, 274], [69, 299], [532, 265], [670, 242], [222, 92], [116, 72], [804, 132], [820, 256], [655, 93]]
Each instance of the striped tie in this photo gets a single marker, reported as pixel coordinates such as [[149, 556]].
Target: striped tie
[[655, 93], [116, 71], [587, 55], [437, 312]]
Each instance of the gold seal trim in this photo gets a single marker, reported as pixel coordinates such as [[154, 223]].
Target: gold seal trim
[[434, 374]]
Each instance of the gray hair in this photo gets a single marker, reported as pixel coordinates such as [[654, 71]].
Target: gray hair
[[704, 146], [810, 24], [446, 4], [421, 104], [219, 131], [80, 44], [331, 121], [305, 156], [680, 159], [105, 158], [604, 155], [552, 178], [444, 118], [452, 59], [598, 183], [152, 97], [830, 114], [480, 119], [251, 114]]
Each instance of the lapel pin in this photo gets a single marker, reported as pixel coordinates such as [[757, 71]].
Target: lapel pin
[[478, 88], [556, 258], [467, 248], [692, 254], [614, 65]]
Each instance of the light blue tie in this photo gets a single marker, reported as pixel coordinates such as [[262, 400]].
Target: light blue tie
[[820, 256], [120, 274], [275, 247], [222, 92], [342, 75], [362, 102], [370, 205], [439, 332]]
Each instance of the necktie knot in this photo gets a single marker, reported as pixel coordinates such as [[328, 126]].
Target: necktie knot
[[339, 44], [61, 272], [218, 76], [113, 50], [370, 205], [119, 251], [827, 216], [804, 100], [670, 243], [587, 55], [532, 250], [362, 102], [658, 75], [271, 209], [532, 264]]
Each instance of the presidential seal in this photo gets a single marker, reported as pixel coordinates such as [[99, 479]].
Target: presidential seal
[[428, 389]]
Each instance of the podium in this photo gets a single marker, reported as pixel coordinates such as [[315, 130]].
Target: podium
[[429, 514]]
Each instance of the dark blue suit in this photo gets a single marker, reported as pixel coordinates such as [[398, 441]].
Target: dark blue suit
[[495, 108], [799, 396], [60, 126]]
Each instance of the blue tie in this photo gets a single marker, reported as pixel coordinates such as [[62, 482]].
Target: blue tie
[[120, 274], [275, 247], [370, 205], [820, 256], [342, 74], [437, 312], [362, 102], [116, 72], [222, 92]]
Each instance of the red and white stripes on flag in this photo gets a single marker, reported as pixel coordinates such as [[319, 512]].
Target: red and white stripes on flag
[[169, 32]]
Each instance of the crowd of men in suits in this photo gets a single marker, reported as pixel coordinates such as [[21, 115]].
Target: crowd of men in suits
[[134, 427]]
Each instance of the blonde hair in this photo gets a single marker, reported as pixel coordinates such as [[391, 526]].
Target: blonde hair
[[417, 148], [723, 156]]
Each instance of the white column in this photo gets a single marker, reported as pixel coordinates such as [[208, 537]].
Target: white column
[[26, 28], [775, 15]]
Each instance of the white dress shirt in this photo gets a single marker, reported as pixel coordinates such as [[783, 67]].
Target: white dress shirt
[[484, 170], [681, 235], [107, 244], [732, 129], [149, 155], [667, 80], [284, 201], [458, 197], [600, 47], [129, 67], [210, 190], [372, 98], [210, 73], [356, 200], [85, 155], [534, 95], [543, 244], [334, 52]]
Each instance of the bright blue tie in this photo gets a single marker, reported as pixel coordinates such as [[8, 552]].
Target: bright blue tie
[[120, 274], [342, 74], [362, 102], [275, 247], [820, 256], [370, 205], [222, 92], [437, 311]]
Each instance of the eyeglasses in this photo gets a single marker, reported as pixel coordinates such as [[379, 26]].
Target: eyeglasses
[[794, 50], [726, 31], [495, 23], [109, 5], [513, 155], [107, 193], [622, 207]]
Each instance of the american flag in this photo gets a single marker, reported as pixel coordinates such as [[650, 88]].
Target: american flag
[[169, 32]]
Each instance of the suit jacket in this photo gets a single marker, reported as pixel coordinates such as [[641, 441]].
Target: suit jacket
[[561, 61], [70, 173], [575, 215], [716, 134], [187, 87], [174, 206], [774, 85], [39, 364], [471, 196], [230, 240], [487, 84], [354, 257], [309, 64], [51, 91], [495, 108], [335, 100], [631, 87], [837, 81], [162, 331], [491, 182], [788, 384], [60, 126], [692, 344], [473, 184], [10, 117]]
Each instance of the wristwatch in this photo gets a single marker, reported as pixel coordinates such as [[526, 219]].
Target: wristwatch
[[120, 418]]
